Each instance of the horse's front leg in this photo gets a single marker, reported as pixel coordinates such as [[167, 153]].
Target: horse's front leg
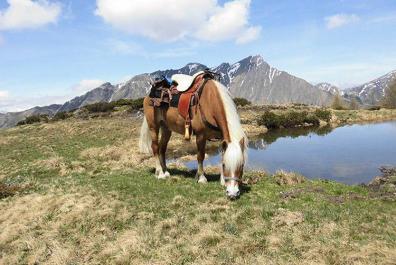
[[201, 144], [163, 145]]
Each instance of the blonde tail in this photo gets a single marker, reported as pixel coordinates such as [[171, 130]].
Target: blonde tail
[[145, 138]]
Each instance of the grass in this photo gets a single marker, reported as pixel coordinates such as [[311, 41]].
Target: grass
[[92, 199]]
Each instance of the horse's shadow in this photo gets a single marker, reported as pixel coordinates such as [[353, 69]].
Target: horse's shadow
[[187, 173]]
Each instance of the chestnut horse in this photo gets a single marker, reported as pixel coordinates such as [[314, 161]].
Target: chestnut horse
[[215, 118]]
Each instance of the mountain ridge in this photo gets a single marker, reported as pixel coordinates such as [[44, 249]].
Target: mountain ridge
[[251, 78]]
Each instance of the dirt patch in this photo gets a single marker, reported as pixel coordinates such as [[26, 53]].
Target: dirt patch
[[287, 218]]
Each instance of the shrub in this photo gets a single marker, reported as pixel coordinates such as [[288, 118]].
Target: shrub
[[34, 119], [287, 120], [242, 102], [374, 108], [100, 107], [270, 120], [122, 102], [354, 104], [323, 114], [137, 104], [338, 103], [63, 115]]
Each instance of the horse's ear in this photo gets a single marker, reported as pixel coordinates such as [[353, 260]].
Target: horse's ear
[[242, 144], [224, 146]]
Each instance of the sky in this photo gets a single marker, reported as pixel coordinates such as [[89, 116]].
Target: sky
[[53, 50]]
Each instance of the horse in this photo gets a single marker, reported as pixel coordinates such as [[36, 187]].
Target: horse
[[214, 117]]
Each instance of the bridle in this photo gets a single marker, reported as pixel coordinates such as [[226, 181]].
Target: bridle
[[232, 178]]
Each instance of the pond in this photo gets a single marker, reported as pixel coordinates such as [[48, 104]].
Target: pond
[[349, 154]]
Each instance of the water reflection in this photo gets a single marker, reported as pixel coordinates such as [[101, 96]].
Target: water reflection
[[349, 154]]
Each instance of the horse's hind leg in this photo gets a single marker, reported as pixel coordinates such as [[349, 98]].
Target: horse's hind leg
[[201, 144], [165, 136]]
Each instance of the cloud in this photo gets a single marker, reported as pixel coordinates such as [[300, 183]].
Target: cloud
[[3, 95], [230, 22], [171, 20], [28, 14], [87, 85], [340, 20]]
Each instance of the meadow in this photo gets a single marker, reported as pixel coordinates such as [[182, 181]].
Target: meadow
[[77, 191]]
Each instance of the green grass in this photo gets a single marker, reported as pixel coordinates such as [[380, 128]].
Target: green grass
[[81, 209]]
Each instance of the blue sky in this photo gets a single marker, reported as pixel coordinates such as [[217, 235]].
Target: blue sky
[[51, 51]]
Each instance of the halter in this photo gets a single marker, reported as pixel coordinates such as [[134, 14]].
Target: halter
[[232, 178]]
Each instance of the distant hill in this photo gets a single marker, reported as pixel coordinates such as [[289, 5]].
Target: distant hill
[[371, 93], [10, 119]]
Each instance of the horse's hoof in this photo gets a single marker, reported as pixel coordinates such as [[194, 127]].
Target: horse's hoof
[[163, 175], [202, 179]]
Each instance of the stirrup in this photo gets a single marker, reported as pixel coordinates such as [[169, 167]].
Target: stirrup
[[187, 135]]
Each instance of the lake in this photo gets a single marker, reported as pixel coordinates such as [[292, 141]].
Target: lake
[[350, 154]]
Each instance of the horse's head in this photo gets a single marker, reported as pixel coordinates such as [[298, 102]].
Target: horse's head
[[234, 158]]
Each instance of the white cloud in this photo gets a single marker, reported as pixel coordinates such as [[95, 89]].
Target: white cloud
[[3, 95], [230, 22], [171, 20], [340, 20], [27, 14], [87, 85]]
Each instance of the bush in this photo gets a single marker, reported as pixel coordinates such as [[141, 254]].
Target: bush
[[338, 103], [323, 114], [34, 119], [374, 108], [242, 102], [63, 115], [100, 107], [137, 104], [122, 102], [287, 120], [269, 120]]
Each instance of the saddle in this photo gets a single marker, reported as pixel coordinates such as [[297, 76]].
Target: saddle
[[182, 92]]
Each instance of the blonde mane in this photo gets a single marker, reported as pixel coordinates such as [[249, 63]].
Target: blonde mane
[[234, 156]]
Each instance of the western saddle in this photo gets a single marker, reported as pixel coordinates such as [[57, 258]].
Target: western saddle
[[181, 91]]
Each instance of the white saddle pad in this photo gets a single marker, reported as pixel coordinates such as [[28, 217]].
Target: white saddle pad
[[184, 82]]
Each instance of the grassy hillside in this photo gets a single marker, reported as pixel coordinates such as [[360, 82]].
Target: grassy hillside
[[77, 191]]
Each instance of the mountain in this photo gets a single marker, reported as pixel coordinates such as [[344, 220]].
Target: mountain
[[11, 119], [254, 79], [139, 85], [251, 78], [371, 93], [100, 94], [329, 88]]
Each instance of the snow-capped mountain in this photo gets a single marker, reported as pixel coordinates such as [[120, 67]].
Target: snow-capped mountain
[[251, 78], [254, 79], [329, 88], [371, 93]]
